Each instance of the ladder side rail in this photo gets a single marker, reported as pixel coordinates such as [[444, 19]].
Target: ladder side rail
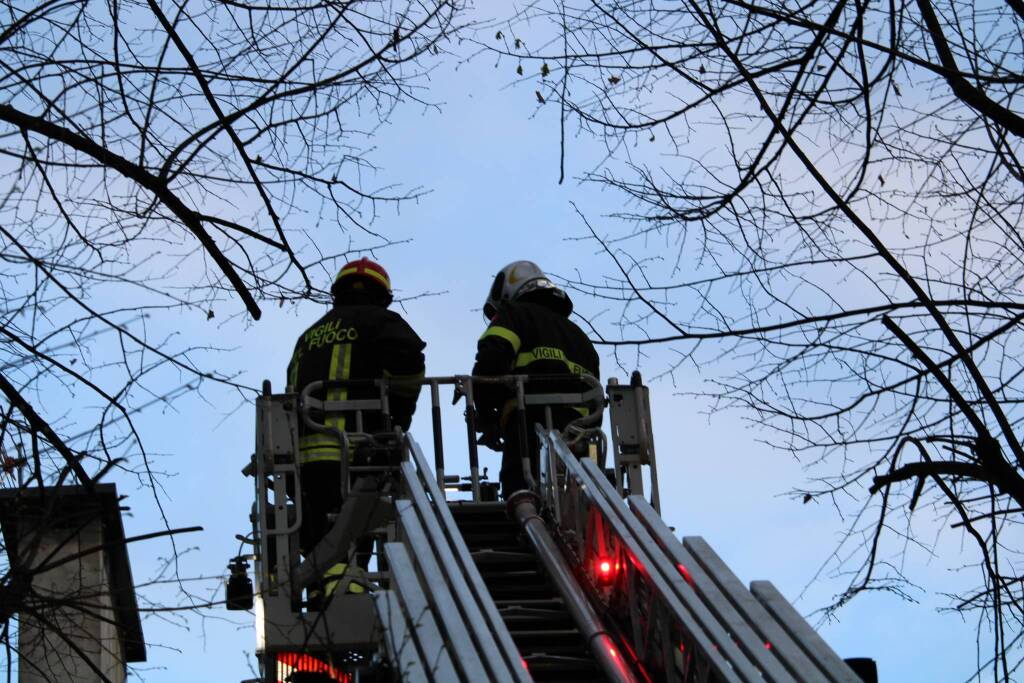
[[727, 598], [473, 452], [277, 592], [471, 573], [725, 661], [440, 594], [737, 632], [811, 643], [261, 562], [432, 648], [260, 510], [548, 475], [399, 638], [479, 628], [745, 660]]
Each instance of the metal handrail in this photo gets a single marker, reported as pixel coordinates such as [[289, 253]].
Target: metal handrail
[[745, 615], [592, 397], [689, 596], [422, 514], [701, 634], [676, 611]]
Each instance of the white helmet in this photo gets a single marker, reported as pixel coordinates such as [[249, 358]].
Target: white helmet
[[520, 278]]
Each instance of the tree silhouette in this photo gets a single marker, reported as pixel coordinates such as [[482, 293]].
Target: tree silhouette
[[825, 199], [165, 159]]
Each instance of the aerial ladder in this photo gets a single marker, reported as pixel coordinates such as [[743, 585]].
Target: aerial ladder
[[575, 578]]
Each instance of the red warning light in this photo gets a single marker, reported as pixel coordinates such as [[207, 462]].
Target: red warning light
[[605, 571], [686, 574], [767, 645], [295, 662]]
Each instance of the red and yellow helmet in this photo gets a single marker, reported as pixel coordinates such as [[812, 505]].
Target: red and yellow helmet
[[363, 274]]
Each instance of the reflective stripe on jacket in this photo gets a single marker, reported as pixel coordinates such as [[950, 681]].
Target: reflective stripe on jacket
[[531, 339], [356, 342]]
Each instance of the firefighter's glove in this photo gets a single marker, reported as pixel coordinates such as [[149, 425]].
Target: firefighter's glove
[[490, 429], [491, 437]]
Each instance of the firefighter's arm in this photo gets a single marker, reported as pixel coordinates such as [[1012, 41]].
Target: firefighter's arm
[[495, 355], [400, 351]]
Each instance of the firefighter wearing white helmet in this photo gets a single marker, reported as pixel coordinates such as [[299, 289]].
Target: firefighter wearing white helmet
[[529, 333], [521, 278]]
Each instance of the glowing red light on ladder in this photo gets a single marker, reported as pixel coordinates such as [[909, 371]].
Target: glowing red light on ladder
[[295, 662], [686, 575], [638, 666], [605, 570]]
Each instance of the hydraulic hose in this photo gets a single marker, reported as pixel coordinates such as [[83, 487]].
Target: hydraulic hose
[[523, 506]]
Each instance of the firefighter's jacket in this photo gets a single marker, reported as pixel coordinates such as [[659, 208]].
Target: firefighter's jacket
[[530, 338], [356, 342]]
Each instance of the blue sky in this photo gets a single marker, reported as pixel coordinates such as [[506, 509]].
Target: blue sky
[[490, 159]]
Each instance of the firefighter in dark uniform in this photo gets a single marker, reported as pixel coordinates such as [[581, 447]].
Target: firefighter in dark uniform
[[529, 333], [359, 338]]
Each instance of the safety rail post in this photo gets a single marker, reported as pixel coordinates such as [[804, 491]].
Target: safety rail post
[[474, 457], [435, 417], [549, 488], [524, 433]]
